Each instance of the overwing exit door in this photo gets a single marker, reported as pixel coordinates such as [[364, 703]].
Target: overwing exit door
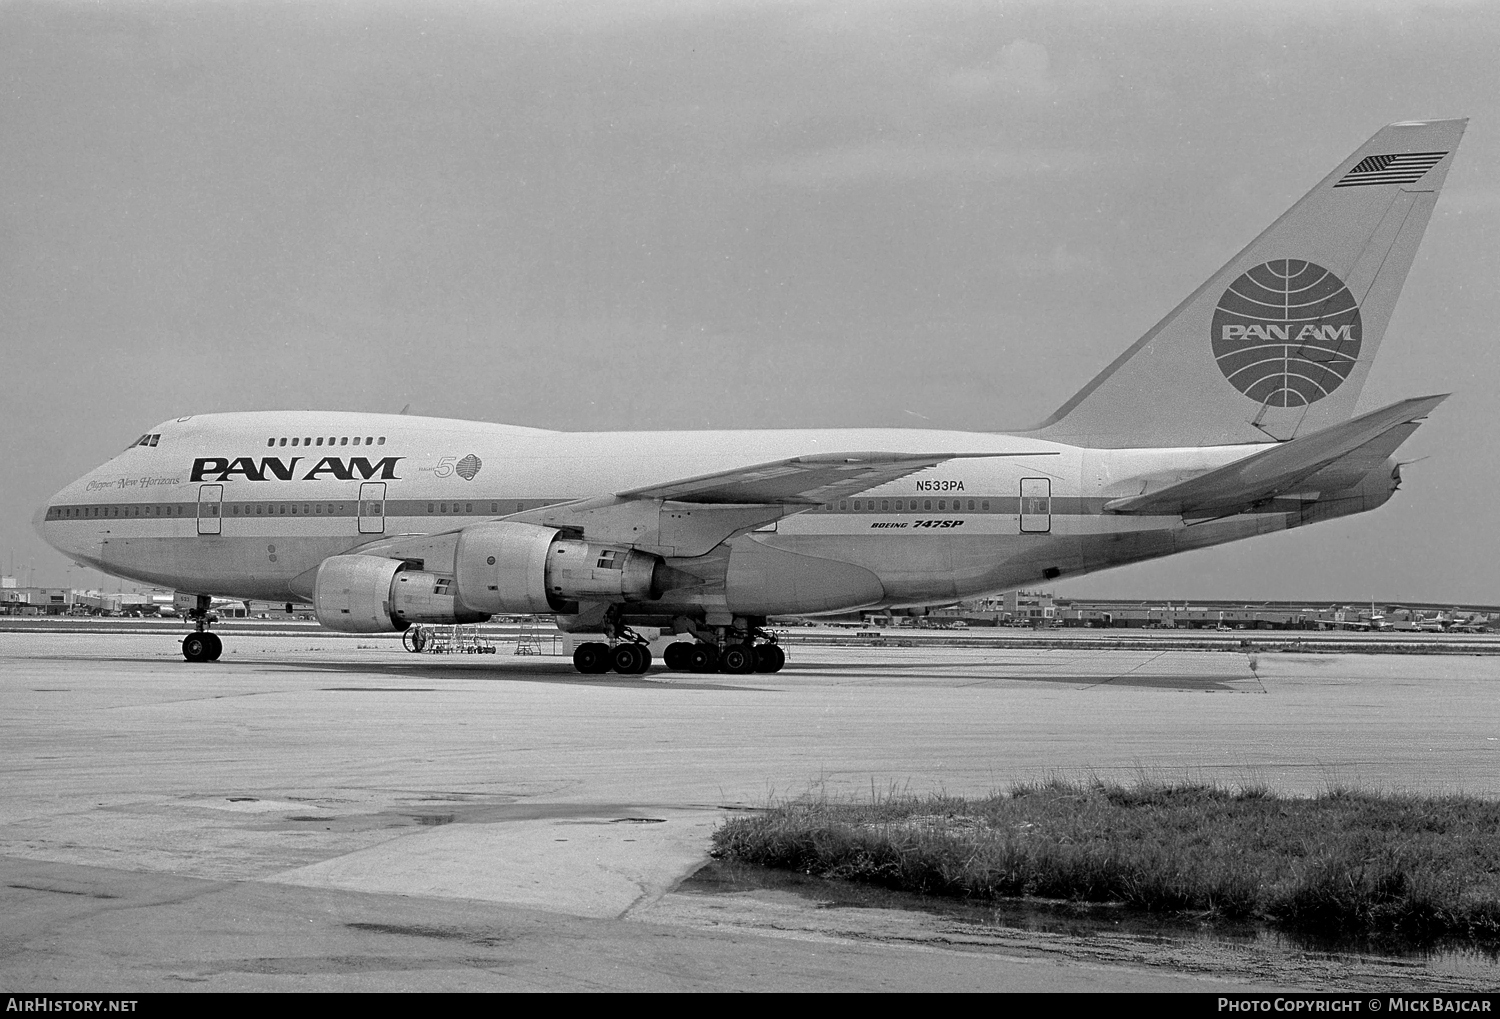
[[372, 507]]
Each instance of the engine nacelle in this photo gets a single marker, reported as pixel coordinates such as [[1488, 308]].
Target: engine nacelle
[[505, 566], [372, 594]]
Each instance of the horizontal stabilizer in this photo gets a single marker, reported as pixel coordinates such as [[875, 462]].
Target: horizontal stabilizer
[[1281, 469]]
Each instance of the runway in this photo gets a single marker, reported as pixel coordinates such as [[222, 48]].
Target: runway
[[324, 812]]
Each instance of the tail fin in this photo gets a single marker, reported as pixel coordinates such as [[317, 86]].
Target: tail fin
[[1279, 341]]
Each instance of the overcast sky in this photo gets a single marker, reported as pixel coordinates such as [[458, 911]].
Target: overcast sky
[[686, 215]]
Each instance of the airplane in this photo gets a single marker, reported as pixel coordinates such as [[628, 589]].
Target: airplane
[[1232, 417]]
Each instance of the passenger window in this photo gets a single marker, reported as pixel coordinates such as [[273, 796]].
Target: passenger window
[[294, 441], [927, 504], [369, 440], [884, 505], [294, 509], [259, 509], [971, 504], [270, 442], [283, 441], [494, 507], [307, 441], [429, 507], [468, 507], [381, 442], [843, 504], [985, 504], [344, 441], [356, 440], [320, 440]]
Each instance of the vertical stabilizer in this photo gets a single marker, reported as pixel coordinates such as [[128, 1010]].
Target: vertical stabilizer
[[1278, 342]]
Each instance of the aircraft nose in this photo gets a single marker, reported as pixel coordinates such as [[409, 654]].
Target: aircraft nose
[[39, 521], [46, 529]]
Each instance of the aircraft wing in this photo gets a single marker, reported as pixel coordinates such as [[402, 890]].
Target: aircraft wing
[[690, 516], [1285, 467], [805, 480]]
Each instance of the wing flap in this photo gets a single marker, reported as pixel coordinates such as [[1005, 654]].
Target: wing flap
[[804, 480], [690, 516], [1286, 466]]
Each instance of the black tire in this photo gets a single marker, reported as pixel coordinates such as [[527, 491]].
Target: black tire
[[215, 646], [414, 639], [678, 656], [196, 648], [737, 659], [769, 658], [630, 659], [703, 658], [591, 658]]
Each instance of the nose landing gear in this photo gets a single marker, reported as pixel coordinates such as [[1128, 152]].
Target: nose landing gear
[[200, 645]]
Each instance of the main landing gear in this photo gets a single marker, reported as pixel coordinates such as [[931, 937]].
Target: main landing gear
[[736, 657], [628, 658], [200, 645], [732, 650]]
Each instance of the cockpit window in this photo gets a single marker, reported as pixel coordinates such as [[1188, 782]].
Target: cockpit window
[[145, 440]]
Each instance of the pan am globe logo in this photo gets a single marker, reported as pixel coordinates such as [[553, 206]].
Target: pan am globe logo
[[1286, 333]]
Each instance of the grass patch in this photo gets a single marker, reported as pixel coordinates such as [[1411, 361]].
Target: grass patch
[[1340, 865]]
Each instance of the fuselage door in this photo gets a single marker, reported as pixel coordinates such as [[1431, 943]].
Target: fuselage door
[[372, 507], [210, 507], [1036, 505]]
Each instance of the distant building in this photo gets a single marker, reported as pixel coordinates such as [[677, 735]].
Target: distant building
[[36, 601]]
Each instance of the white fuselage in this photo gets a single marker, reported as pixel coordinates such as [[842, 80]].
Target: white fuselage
[[244, 504]]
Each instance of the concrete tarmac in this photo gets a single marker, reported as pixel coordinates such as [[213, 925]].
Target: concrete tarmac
[[321, 812]]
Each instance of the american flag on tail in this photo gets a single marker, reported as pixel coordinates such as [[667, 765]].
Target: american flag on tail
[[1396, 168]]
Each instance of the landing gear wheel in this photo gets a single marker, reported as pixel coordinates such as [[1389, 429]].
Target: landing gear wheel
[[592, 658], [769, 658], [215, 646], [631, 659], [703, 658], [678, 656], [196, 647], [738, 659]]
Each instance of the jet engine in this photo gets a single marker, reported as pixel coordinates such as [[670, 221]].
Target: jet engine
[[372, 594], [505, 566]]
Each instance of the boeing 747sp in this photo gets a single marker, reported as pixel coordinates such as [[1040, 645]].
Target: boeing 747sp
[[1232, 417]]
